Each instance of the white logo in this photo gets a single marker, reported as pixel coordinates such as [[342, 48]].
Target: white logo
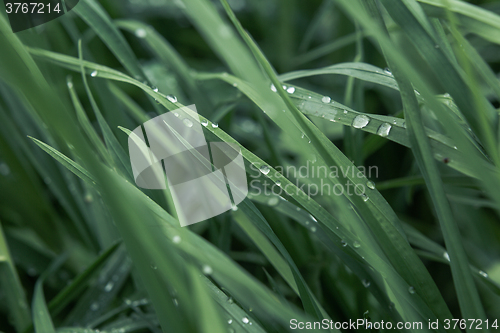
[[205, 180]]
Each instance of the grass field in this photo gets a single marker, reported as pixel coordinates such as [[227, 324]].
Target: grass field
[[370, 135]]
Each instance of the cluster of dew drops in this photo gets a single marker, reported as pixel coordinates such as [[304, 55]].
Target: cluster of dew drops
[[359, 121]]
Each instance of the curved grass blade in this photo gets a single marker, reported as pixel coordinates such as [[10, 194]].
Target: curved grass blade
[[470, 303], [98, 20], [15, 297]]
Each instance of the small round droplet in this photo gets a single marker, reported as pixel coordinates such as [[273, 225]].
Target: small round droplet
[[344, 243], [278, 183], [366, 283], [94, 306], [290, 90], [93, 74], [313, 229], [345, 112], [187, 122], [384, 130], [70, 84], [172, 98], [215, 125], [88, 198], [446, 256], [364, 197], [155, 89], [176, 239], [483, 274], [326, 99], [273, 201], [370, 185], [360, 121], [411, 290], [204, 122], [207, 270], [273, 88], [230, 321], [245, 320], [141, 33], [356, 244], [109, 286], [264, 169], [230, 300], [234, 208], [176, 114], [387, 71]]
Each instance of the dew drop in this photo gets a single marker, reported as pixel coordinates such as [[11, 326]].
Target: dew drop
[[366, 283], [176, 114], [245, 320], [207, 270], [483, 274], [326, 99], [344, 243], [172, 98], [93, 74], [230, 300], [188, 122], [70, 84], [356, 244], [264, 169], [446, 256], [290, 90], [94, 306], [155, 89], [411, 290], [234, 208], [345, 111], [109, 286], [176, 239], [153, 266], [141, 33], [273, 201], [387, 71], [364, 197], [215, 125], [278, 183], [273, 88], [313, 229], [370, 185], [384, 129], [360, 121], [204, 122], [88, 198], [230, 321]]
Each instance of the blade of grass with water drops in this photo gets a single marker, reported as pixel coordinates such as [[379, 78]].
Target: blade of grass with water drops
[[311, 206], [470, 303], [98, 20]]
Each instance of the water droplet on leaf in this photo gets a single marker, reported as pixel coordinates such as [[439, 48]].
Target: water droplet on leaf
[[360, 121]]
